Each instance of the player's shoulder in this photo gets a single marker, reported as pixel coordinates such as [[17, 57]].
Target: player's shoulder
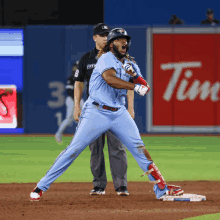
[[107, 57], [132, 61]]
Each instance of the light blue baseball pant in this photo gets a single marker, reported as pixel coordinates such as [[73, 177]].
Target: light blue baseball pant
[[93, 122]]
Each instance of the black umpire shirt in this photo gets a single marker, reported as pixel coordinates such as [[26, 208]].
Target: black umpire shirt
[[86, 66]]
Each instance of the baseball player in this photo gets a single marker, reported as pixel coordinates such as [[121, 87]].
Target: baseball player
[[117, 153], [69, 104], [104, 110]]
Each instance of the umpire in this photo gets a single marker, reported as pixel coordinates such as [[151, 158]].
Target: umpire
[[117, 153]]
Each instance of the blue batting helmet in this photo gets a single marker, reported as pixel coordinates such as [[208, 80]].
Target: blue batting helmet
[[118, 33]]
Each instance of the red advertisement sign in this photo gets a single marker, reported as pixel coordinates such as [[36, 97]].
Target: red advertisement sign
[[186, 79], [8, 106]]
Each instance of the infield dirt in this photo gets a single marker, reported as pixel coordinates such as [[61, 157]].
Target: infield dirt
[[72, 201]]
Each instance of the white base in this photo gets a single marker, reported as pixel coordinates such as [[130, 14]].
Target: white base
[[184, 198]]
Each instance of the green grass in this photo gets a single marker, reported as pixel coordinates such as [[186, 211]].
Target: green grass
[[26, 159], [205, 217]]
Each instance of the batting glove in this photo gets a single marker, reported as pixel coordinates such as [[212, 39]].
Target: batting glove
[[141, 89], [129, 67]]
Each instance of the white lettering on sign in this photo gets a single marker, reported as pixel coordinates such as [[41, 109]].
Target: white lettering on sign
[[205, 90]]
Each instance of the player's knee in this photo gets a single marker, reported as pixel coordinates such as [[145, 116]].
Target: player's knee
[[142, 149]]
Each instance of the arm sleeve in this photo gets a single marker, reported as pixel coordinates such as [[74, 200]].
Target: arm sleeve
[[81, 71], [139, 78], [137, 69], [104, 63]]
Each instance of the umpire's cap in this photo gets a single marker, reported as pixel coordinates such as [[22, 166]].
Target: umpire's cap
[[101, 28], [209, 11]]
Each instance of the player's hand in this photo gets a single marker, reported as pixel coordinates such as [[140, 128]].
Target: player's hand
[[131, 112], [128, 67], [77, 113], [141, 89]]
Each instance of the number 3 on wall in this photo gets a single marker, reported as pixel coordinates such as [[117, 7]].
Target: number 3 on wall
[[58, 94]]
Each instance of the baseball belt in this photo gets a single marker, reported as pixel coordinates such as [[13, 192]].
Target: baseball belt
[[106, 107]]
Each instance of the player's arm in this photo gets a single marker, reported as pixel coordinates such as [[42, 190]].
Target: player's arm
[[135, 73], [78, 91], [78, 88], [130, 97], [112, 80]]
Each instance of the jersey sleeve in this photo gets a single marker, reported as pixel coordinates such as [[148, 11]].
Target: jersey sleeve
[[137, 69], [80, 73], [105, 62]]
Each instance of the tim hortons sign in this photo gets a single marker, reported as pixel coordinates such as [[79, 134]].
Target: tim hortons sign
[[196, 89], [186, 80]]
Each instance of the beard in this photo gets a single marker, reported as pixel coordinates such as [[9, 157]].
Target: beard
[[117, 53]]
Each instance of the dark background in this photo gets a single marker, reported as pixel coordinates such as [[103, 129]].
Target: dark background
[[53, 12], [112, 12]]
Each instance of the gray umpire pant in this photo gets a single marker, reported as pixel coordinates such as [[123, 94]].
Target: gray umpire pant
[[117, 158]]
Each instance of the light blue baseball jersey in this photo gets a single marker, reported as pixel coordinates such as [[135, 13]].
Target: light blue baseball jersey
[[96, 121], [99, 90]]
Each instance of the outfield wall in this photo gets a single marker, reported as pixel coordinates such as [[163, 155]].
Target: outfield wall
[[50, 52], [187, 102]]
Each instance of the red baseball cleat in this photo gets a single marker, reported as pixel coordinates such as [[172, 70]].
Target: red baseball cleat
[[174, 190], [36, 194]]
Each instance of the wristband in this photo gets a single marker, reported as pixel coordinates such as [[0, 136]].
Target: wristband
[[140, 80]]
